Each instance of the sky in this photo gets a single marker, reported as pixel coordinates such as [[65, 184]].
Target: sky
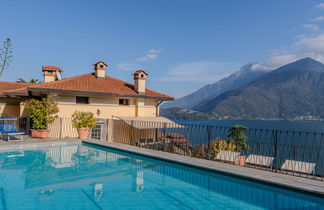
[[182, 44]]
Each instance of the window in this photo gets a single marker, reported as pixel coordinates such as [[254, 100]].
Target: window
[[82, 100], [124, 101]]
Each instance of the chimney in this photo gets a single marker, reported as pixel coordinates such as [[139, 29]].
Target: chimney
[[100, 69], [139, 81], [51, 73]]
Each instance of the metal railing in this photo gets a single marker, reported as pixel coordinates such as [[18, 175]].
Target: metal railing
[[295, 153]]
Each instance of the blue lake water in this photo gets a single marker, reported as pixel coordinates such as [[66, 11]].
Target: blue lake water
[[308, 126], [88, 177]]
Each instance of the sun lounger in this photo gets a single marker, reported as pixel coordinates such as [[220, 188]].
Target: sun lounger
[[298, 166], [259, 160], [227, 156], [10, 130]]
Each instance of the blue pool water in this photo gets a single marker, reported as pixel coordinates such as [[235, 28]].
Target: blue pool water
[[89, 177]]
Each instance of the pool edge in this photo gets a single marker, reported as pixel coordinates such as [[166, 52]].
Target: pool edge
[[222, 168]]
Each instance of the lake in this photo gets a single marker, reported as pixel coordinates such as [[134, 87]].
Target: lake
[[308, 126]]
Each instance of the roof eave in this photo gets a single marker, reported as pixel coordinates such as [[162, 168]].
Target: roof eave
[[15, 94], [97, 93]]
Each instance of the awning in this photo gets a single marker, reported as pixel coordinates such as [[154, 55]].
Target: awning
[[149, 122]]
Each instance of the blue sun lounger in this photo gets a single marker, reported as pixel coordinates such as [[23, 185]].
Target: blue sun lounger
[[10, 130]]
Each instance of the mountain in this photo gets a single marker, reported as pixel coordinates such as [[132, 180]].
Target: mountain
[[238, 79], [293, 91], [177, 113]]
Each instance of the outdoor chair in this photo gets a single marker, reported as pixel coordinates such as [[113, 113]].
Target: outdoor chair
[[298, 166], [10, 130], [141, 142], [260, 160], [227, 156]]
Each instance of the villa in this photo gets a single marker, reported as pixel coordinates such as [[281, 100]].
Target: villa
[[96, 92]]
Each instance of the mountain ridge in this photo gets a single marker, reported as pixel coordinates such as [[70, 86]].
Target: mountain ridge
[[292, 91], [239, 78]]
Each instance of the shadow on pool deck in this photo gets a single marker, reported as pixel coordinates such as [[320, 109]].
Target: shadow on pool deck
[[28, 140]]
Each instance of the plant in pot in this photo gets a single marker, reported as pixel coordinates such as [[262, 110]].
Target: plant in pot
[[83, 121], [41, 112], [238, 137]]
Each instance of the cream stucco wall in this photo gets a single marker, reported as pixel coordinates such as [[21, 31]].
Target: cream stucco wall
[[101, 73], [107, 106], [10, 106], [140, 85]]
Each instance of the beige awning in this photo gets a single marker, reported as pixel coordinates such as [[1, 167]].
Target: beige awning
[[149, 122]]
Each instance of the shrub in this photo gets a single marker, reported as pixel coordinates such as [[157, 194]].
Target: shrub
[[222, 145], [237, 136], [41, 112], [83, 120]]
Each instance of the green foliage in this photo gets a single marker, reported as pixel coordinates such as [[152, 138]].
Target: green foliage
[[41, 112], [237, 135], [32, 81], [5, 55], [83, 120], [222, 145]]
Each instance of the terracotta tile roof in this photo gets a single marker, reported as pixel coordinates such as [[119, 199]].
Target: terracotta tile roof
[[90, 84], [139, 71], [49, 68], [14, 88]]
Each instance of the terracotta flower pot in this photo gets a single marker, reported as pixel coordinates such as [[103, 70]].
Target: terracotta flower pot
[[240, 160], [83, 133], [40, 134]]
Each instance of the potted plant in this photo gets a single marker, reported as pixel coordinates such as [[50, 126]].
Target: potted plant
[[238, 137], [83, 121], [41, 113]]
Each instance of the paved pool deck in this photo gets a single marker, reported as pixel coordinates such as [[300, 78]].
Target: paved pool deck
[[300, 184], [29, 143]]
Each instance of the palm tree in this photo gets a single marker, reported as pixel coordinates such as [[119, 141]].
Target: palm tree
[[32, 81]]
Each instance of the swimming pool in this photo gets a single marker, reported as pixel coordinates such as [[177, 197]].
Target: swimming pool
[[91, 177]]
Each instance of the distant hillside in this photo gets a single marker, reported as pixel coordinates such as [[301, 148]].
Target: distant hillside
[[293, 91], [176, 113], [238, 79]]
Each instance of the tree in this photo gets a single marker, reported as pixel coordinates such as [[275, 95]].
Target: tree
[[237, 135], [5, 55], [32, 81]]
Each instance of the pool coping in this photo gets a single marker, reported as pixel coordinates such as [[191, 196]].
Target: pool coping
[[298, 184]]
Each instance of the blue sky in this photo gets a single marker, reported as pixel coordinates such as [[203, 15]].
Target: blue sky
[[182, 44]]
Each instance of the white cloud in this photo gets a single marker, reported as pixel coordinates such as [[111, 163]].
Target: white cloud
[[305, 46], [155, 51], [128, 66], [133, 65], [275, 61], [152, 55], [320, 6], [311, 45], [201, 71], [148, 57], [312, 27], [317, 19]]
